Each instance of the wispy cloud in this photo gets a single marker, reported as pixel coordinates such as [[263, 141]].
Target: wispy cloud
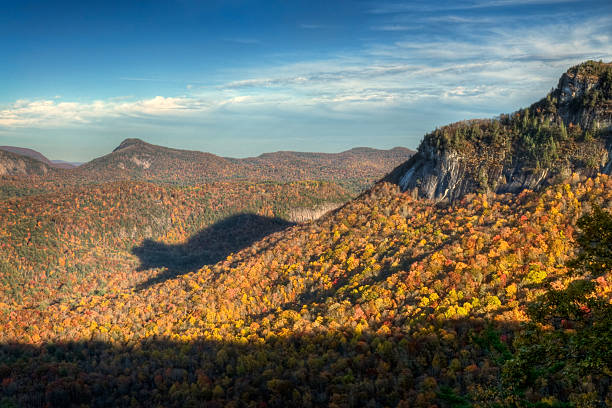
[[336, 74], [504, 64], [418, 6], [141, 79], [502, 68], [552, 42], [462, 19], [53, 113], [396, 27]]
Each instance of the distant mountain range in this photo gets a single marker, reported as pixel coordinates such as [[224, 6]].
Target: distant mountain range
[[135, 159], [392, 299], [65, 164]]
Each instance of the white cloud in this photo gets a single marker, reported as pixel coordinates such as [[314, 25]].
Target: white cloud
[[504, 68], [53, 113], [395, 27], [412, 7], [505, 65]]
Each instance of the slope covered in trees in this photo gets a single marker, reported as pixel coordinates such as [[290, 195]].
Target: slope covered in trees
[[13, 164], [568, 131], [77, 240], [389, 300], [490, 299], [133, 159]]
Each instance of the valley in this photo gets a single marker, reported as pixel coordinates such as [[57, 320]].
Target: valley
[[475, 271]]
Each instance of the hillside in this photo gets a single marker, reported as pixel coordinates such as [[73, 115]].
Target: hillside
[[37, 156], [132, 293], [388, 300], [135, 159], [71, 241], [15, 164], [356, 164], [568, 131]]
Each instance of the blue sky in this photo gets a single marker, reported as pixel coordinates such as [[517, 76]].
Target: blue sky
[[239, 77]]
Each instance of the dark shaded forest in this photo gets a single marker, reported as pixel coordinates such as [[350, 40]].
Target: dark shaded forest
[[208, 246]]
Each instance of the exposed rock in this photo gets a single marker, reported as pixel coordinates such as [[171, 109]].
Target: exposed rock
[[141, 162], [12, 164], [582, 97], [525, 150], [299, 215]]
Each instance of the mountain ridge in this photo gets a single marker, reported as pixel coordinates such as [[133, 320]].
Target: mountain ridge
[[567, 131], [136, 159], [31, 153], [15, 164], [389, 300]]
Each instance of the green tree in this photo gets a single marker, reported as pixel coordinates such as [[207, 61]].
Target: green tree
[[566, 351]]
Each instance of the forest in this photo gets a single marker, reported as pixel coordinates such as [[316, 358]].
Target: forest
[[389, 300], [76, 240], [144, 290]]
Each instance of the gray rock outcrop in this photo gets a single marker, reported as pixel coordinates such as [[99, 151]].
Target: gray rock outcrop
[[445, 170]]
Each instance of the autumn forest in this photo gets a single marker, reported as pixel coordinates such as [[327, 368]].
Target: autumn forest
[[474, 272]]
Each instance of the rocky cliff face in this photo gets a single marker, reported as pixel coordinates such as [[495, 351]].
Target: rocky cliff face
[[22, 151], [448, 175], [568, 131], [12, 164], [583, 96], [435, 174]]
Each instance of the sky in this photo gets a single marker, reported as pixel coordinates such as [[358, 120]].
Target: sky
[[241, 77]]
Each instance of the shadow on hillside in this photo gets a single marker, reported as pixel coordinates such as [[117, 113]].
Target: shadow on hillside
[[208, 246], [342, 368]]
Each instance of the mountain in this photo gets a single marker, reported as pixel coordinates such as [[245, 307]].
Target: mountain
[[17, 164], [65, 164], [356, 163], [146, 297], [568, 131], [27, 152], [390, 300], [136, 159], [60, 164]]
